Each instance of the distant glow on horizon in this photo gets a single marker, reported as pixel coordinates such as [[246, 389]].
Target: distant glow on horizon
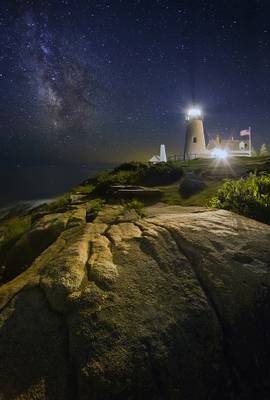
[[194, 112], [219, 153]]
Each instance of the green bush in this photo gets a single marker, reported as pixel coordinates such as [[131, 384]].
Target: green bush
[[136, 205], [158, 174], [249, 197], [95, 207]]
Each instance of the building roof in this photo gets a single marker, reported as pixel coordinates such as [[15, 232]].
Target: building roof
[[154, 159]]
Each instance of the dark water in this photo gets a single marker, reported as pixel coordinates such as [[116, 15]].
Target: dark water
[[34, 183]]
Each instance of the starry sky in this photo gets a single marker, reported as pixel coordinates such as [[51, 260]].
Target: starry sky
[[106, 81]]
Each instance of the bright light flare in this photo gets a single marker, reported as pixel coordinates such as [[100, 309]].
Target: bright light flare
[[194, 113], [219, 153]]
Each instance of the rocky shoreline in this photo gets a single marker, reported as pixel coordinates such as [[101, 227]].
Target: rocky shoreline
[[172, 305]]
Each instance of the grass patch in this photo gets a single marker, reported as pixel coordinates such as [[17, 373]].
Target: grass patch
[[59, 205], [136, 205], [237, 166], [135, 174], [172, 196], [15, 227], [83, 189], [95, 206], [201, 199], [12, 230]]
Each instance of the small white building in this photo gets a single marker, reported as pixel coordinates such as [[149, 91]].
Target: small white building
[[162, 157]]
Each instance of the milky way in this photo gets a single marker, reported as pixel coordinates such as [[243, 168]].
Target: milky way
[[111, 80], [64, 83]]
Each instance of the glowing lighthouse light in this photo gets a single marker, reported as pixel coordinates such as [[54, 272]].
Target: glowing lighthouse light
[[219, 153], [194, 113]]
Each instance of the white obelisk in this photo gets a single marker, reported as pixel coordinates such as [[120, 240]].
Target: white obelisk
[[163, 157]]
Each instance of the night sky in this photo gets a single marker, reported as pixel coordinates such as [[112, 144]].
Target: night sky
[[95, 81]]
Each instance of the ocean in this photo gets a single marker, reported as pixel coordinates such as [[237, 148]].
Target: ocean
[[20, 184]]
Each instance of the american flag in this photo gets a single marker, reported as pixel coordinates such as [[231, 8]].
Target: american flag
[[245, 132]]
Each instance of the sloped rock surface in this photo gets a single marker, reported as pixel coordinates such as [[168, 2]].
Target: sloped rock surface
[[171, 306]]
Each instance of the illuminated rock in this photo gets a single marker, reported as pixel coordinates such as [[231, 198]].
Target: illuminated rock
[[142, 310]]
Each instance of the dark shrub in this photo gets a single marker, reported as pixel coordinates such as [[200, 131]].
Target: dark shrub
[[136, 174], [106, 180], [190, 185], [131, 166], [249, 197], [158, 174]]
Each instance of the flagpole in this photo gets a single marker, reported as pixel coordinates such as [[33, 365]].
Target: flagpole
[[250, 141]]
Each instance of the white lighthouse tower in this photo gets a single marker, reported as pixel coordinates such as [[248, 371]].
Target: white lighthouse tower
[[195, 140]]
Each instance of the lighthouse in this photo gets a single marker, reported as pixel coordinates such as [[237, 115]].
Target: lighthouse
[[195, 140]]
